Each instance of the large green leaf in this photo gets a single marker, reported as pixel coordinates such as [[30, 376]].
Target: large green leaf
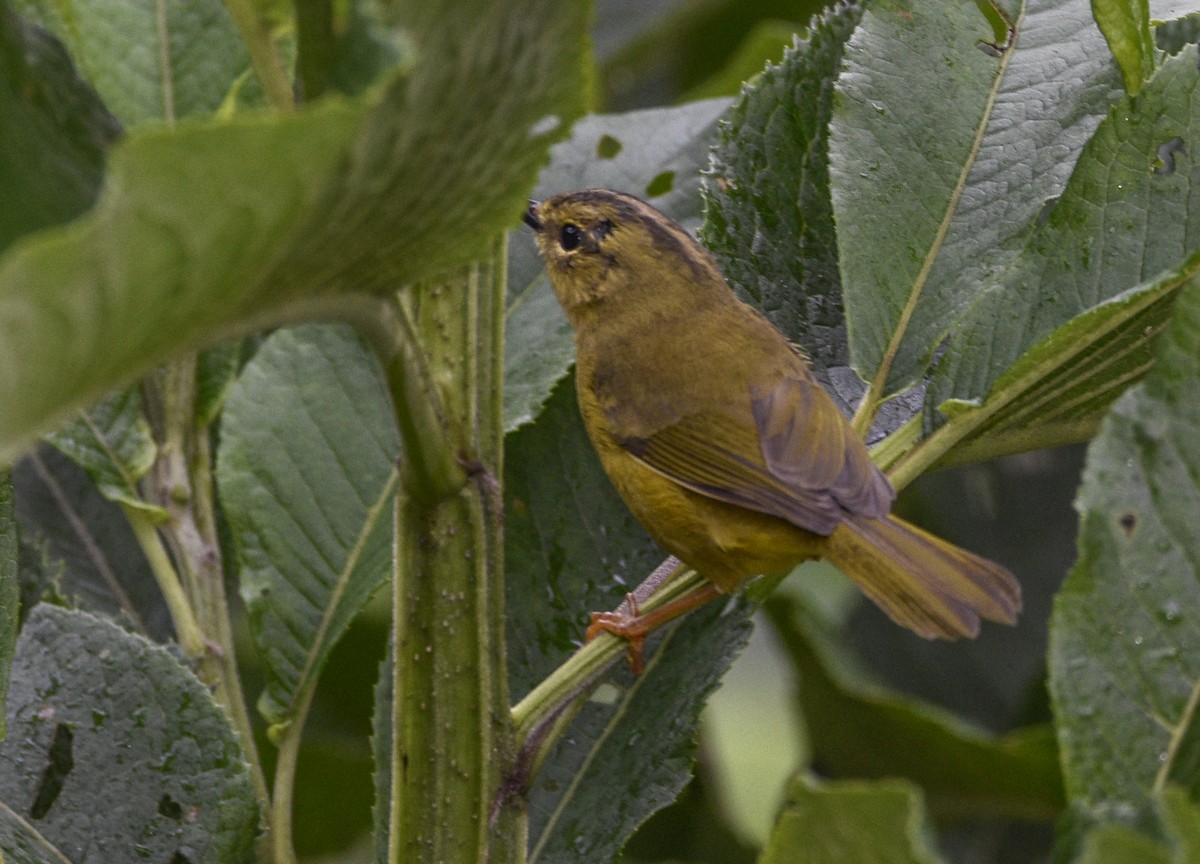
[[571, 546], [655, 154], [1117, 844], [53, 132], [1122, 219], [1126, 26], [116, 752], [942, 157], [217, 227], [851, 823], [1125, 640], [307, 474], [112, 442], [768, 216], [149, 67], [1059, 390]]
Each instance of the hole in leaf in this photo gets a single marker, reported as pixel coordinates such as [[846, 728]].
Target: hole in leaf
[[59, 762], [1128, 523], [1164, 162], [661, 185], [608, 147], [180, 858], [169, 807]]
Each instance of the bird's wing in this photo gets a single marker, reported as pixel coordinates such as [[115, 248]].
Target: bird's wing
[[792, 456]]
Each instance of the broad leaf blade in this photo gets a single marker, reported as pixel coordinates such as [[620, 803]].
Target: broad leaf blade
[[571, 546], [768, 216], [21, 842], [149, 68], [215, 228], [627, 152], [1118, 844], [630, 750], [1124, 635], [112, 442], [939, 168], [851, 823], [1061, 388], [118, 752], [1126, 26], [307, 474], [1123, 219]]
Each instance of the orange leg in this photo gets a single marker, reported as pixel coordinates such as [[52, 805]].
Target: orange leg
[[634, 626]]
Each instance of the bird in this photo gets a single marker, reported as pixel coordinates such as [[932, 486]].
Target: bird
[[714, 431]]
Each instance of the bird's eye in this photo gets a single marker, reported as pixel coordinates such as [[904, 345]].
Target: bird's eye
[[570, 237]]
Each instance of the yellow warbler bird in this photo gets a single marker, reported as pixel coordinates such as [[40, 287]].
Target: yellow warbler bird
[[718, 437]]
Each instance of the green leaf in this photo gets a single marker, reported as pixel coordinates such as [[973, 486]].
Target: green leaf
[[216, 370], [626, 152], [21, 842], [307, 474], [10, 591], [212, 228], [1118, 844], [117, 753], [1122, 220], [1124, 636], [149, 68], [630, 750], [942, 156], [856, 728], [768, 217], [1126, 26], [1061, 388], [851, 823], [570, 543], [112, 442], [571, 546], [53, 132]]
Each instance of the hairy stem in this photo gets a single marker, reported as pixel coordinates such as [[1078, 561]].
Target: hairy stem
[[450, 724]]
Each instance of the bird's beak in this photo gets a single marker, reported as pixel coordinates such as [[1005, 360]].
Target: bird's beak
[[531, 216]]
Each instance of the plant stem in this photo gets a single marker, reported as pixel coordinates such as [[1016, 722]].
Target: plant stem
[[187, 628], [193, 578], [264, 58], [282, 848], [450, 723]]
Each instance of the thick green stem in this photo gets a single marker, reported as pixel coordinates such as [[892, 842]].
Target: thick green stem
[[187, 628], [451, 728], [263, 56]]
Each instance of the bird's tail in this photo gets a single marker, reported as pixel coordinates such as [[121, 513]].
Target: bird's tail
[[922, 582]]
